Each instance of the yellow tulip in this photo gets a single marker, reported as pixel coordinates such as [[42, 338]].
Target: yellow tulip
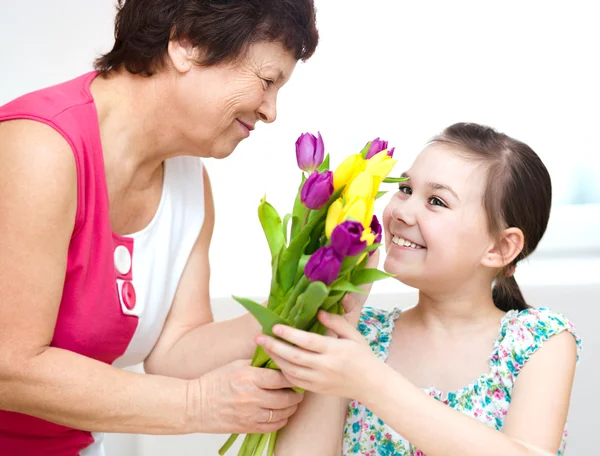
[[360, 187], [359, 209], [333, 215], [378, 158], [348, 170], [368, 236], [381, 169], [370, 210], [355, 209]]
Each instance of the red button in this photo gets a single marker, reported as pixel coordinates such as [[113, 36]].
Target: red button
[[128, 294]]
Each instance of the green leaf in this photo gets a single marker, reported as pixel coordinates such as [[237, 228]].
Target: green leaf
[[379, 195], [309, 303], [271, 225], [266, 317], [394, 180], [301, 265], [298, 212], [260, 357], [368, 275], [365, 150], [288, 264], [284, 226], [325, 165], [333, 298], [373, 247], [275, 293], [345, 285]]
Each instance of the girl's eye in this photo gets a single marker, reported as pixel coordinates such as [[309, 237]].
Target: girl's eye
[[405, 189], [435, 201]]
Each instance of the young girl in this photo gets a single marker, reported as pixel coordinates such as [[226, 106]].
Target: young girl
[[471, 369]]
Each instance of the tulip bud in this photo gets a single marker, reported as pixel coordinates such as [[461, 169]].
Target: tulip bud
[[323, 266], [376, 229], [377, 145], [346, 238], [317, 190], [310, 151], [348, 170]]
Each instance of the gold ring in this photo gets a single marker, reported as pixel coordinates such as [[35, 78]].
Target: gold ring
[[270, 415]]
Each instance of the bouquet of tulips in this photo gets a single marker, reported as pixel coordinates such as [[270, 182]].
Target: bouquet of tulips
[[323, 255]]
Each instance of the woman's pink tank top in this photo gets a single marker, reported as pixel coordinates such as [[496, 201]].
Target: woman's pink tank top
[[99, 313]]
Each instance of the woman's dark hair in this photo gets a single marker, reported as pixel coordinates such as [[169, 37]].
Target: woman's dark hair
[[518, 194], [222, 29]]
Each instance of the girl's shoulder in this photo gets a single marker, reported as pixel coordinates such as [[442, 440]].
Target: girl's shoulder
[[524, 332]]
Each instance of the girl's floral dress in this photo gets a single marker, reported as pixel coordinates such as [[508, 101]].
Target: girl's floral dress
[[487, 399]]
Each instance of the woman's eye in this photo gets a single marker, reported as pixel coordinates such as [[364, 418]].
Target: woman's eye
[[435, 201], [405, 189], [268, 83]]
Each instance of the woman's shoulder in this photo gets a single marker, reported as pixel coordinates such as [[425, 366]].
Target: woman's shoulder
[[525, 332]]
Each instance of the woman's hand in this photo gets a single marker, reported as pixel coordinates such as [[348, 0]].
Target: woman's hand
[[324, 365], [241, 399]]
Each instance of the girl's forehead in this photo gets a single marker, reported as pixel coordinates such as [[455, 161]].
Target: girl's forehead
[[446, 165]]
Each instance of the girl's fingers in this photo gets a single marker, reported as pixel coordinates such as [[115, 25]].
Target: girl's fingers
[[309, 341], [290, 353], [340, 326], [291, 371]]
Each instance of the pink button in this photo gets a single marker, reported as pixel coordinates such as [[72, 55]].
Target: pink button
[[128, 295]]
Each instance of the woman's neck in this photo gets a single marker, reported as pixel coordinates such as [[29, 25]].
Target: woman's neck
[[135, 128]]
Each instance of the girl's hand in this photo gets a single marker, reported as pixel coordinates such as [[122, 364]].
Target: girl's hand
[[324, 365]]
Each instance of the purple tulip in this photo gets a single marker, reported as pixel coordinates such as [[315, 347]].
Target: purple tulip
[[323, 266], [310, 151], [345, 238], [317, 189], [376, 229], [377, 145]]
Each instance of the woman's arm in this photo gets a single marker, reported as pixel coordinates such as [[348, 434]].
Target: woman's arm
[[346, 367], [181, 350], [37, 212]]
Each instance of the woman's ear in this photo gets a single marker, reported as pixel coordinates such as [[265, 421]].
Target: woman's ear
[[181, 54], [505, 249]]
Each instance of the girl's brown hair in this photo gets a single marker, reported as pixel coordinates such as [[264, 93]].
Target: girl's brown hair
[[518, 194]]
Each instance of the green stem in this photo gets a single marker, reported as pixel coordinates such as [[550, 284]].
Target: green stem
[[271, 447], [252, 443], [298, 289], [230, 441], [306, 213], [242, 449], [262, 443]]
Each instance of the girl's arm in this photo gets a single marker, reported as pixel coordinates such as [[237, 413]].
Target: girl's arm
[[316, 428], [346, 367]]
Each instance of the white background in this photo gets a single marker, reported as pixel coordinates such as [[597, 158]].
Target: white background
[[396, 69]]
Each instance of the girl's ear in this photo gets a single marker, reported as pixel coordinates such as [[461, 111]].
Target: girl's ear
[[505, 249]]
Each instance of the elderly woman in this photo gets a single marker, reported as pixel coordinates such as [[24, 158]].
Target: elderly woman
[[106, 217]]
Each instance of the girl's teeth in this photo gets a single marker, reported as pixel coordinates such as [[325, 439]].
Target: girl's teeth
[[403, 242]]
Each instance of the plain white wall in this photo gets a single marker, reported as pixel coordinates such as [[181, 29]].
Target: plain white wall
[[396, 69]]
